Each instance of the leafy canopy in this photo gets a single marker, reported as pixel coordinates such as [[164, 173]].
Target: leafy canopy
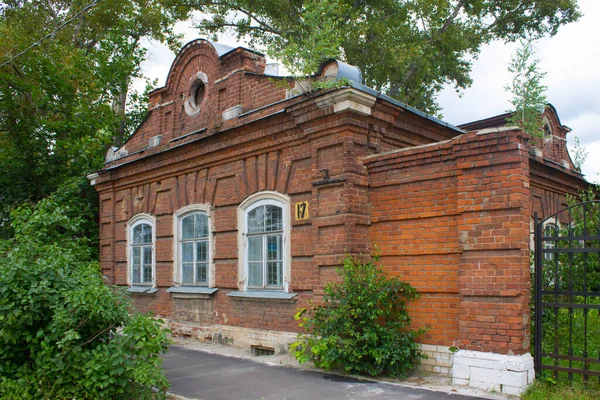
[[64, 334], [63, 101], [362, 324], [409, 49]]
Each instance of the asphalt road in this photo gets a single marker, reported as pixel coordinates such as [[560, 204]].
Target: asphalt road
[[206, 376]]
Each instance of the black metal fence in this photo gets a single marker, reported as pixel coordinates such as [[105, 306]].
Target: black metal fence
[[567, 294]]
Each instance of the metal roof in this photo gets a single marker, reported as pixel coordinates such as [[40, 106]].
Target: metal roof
[[398, 103]]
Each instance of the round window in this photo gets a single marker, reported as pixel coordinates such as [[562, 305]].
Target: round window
[[196, 94]]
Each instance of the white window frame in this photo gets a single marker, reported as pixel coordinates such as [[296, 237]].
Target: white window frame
[[249, 204], [547, 244], [178, 216], [133, 222]]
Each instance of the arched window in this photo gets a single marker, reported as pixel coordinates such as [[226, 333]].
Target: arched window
[[547, 130], [193, 248], [141, 250], [265, 262]]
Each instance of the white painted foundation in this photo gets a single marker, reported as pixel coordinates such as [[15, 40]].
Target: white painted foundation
[[493, 372]]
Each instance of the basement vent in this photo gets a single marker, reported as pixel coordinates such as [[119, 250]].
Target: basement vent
[[262, 351], [153, 142]]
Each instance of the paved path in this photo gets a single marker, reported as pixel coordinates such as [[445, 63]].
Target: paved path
[[201, 375]]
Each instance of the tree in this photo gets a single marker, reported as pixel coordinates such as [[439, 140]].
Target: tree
[[529, 94], [65, 74], [63, 333], [407, 49]]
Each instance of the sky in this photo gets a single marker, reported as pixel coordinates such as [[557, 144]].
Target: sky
[[571, 60]]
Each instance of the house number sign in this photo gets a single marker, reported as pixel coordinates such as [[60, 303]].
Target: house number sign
[[302, 211]]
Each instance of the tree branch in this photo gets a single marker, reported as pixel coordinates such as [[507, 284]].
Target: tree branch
[[268, 28], [51, 34], [265, 26], [110, 327], [232, 25], [414, 66]]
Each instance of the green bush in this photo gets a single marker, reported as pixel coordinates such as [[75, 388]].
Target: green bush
[[63, 332], [362, 324]]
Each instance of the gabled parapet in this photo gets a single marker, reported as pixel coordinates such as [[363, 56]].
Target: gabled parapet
[[211, 88], [208, 85], [551, 145]]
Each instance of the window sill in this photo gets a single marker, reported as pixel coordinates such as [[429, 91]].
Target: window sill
[[191, 292], [264, 295], [142, 289]]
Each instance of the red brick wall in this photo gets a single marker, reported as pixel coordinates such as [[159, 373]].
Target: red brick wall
[[453, 220], [288, 153], [452, 217], [549, 186]]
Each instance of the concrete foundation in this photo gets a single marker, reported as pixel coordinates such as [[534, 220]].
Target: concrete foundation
[[493, 372], [235, 336]]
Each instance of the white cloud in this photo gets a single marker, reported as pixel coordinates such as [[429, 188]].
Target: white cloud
[[591, 166], [571, 60]]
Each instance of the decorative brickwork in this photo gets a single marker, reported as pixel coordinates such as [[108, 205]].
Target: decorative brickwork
[[449, 211]]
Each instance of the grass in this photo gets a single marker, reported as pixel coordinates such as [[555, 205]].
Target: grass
[[547, 390]]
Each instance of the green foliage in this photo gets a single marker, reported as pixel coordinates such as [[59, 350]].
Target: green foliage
[[575, 269], [579, 154], [408, 49], [549, 390], [63, 102], [529, 94], [64, 334], [362, 324], [330, 84]]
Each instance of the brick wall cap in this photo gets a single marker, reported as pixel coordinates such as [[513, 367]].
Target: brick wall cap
[[555, 167], [403, 150], [487, 131]]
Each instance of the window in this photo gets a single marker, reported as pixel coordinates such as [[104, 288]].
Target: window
[[193, 269], [265, 262], [196, 94], [547, 131], [265, 246], [550, 231], [141, 250], [193, 246]]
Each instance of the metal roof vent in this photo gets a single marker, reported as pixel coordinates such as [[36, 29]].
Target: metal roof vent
[[337, 69], [272, 69]]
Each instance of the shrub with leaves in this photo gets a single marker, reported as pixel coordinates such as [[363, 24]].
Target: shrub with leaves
[[64, 333], [361, 325]]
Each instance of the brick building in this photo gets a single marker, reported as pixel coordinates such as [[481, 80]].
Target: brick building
[[231, 205]]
